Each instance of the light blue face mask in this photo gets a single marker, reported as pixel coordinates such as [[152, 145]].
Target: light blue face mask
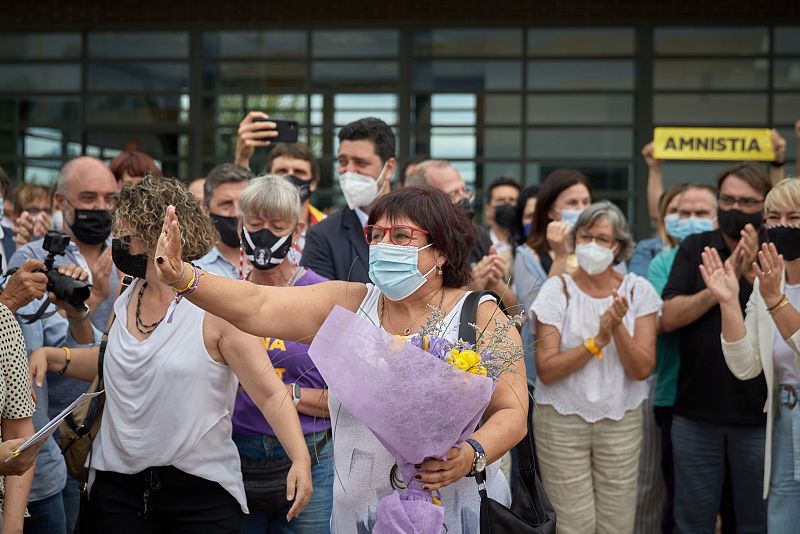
[[683, 228], [393, 269], [570, 216]]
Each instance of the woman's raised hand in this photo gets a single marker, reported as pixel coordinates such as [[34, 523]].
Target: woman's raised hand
[[720, 278], [169, 263], [769, 273]]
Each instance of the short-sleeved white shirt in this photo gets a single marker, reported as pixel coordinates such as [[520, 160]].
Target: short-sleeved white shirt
[[601, 389]]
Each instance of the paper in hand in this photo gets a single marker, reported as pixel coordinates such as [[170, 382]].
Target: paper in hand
[[47, 430]]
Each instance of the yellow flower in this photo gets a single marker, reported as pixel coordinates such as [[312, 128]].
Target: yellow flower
[[479, 370]]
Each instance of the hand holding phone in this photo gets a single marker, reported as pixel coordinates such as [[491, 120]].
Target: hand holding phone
[[287, 130]]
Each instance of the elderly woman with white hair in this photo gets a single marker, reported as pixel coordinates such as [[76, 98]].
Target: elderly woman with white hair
[[596, 337], [767, 339], [270, 207]]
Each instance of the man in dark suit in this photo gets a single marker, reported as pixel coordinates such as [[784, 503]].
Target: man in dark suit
[[335, 248]]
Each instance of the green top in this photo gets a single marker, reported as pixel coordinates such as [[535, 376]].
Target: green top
[[668, 357]]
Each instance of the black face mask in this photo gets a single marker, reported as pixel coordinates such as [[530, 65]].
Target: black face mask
[[91, 226], [303, 187], [228, 228], [786, 240], [264, 249], [466, 206], [132, 264], [505, 215], [732, 222]]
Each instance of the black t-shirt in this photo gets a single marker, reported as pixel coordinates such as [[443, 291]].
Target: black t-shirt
[[482, 244], [707, 390]]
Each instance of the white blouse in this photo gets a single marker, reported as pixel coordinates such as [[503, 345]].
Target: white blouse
[[601, 389]]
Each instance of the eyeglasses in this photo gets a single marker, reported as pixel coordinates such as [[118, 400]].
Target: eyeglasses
[[605, 242], [467, 194], [399, 234], [727, 201], [37, 211]]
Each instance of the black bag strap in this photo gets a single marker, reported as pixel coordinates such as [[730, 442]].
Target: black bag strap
[[469, 315], [126, 281]]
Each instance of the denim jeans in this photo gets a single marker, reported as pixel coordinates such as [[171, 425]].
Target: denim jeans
[[316, 517], [72, 502], [47, 516], [784, 491], [700, 450]]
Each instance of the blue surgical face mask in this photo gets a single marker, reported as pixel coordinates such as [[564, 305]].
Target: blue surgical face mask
[[526, 229], [393, 269], [671, 224], [686, 227], [570, 216]]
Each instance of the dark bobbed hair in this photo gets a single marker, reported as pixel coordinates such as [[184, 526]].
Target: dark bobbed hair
[[296, 150], [752, 173], [135, 163], [224, 173], [556, 183], [374, 130], [525, 195], [449, 229]]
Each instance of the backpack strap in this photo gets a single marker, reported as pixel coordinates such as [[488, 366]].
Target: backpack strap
[[469, 315]]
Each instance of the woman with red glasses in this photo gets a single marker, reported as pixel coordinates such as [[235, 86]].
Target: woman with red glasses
[[419, 244]]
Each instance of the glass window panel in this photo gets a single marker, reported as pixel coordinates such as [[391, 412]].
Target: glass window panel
[[789, 168], [703, 172], [363, 101], [138, 77], [255, 44], [580, 143], [453, 142], [496, 169], [581, 75], [157, 145], [732, 40], [42, 143], [502, 143], [355, 74], [44, 110], [465, 117], [466, 75], [453, 101], [342, 117], [580, 109], [786, 109], [354, 43], [466, 169], [581, 41], [787, 39], [223, 109], [502, 109], [290, 107], [40, 45], [711, 74], [255, 75], [710, 109], [467, 42], [138, 45], [9, 141], [44, 172], [787, 73], [40, 77], [118, 109]]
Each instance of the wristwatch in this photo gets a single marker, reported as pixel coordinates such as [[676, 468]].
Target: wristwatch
[[479, 463], [295, 393]]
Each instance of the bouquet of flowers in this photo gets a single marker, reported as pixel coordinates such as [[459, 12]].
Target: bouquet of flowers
[[403, 390]]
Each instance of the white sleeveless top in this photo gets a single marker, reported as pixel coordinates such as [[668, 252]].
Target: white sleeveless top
[[363, 464], [167, 402]]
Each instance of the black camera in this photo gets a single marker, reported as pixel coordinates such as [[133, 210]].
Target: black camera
[[73, 292]]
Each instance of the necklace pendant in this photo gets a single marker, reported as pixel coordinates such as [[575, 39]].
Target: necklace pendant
[[407, 332]]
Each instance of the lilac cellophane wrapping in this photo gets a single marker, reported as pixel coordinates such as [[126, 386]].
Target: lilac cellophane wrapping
[[416, 405]]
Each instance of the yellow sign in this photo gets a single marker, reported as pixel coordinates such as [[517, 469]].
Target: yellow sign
[[726, 144]]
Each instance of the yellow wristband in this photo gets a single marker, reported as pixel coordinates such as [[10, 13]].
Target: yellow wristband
[[593, 349], [68, 359], [191, 281]]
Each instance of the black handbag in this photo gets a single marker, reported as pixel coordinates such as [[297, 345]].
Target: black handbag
[[265, 483], [531, 511]]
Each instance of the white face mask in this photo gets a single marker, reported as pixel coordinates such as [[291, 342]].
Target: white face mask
[[593, 258], [360, 190]]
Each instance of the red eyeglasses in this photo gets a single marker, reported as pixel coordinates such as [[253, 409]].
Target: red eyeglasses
[[399, 234]]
